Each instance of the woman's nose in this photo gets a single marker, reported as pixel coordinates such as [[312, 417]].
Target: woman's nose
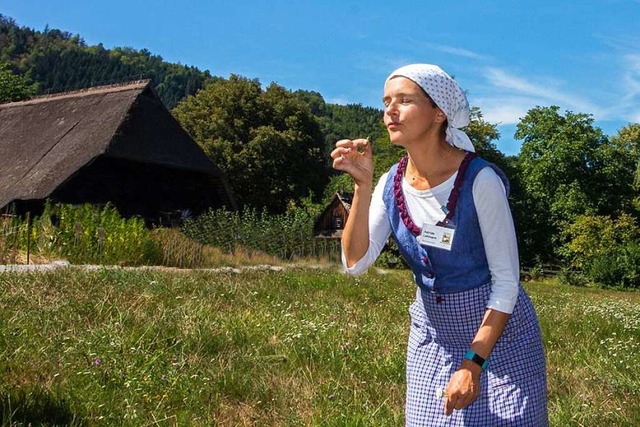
[[390, 109]]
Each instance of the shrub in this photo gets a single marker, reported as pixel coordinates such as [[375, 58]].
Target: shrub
[[88, 234], [287, 236], [572, 277], [605, 250], [536, 272], [620, 267], [592, 236]]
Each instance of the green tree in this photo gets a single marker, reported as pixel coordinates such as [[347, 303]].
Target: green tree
[[606, 250], [591, 236], [267, 142], [627, 151], [14, 87], [314, 101], [568, 168]]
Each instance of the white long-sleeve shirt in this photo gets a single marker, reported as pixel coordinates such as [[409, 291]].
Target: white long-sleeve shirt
[[496, 225]]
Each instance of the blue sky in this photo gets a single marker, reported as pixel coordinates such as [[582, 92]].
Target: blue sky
[[583, 56]]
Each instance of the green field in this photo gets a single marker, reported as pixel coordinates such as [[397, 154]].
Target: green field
[[302, 346]]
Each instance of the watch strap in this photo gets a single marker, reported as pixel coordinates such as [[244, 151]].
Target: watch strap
[[477, 359]]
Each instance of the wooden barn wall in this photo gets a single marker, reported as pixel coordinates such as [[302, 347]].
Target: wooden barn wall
[[137, 188]]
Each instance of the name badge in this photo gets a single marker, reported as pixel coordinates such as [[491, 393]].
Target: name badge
[[436, 236]]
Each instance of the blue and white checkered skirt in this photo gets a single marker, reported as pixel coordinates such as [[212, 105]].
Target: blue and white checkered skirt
[[513, 390]]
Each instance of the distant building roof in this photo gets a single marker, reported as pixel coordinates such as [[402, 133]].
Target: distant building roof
[[47, 140]]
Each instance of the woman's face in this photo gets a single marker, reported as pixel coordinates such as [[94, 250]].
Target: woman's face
[[409, 115]]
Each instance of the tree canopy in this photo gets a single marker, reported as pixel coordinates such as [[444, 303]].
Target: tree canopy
[[569, 168], [14, 87], [267, 141]]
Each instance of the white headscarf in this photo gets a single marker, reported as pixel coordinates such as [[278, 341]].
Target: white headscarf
[[447, 95]]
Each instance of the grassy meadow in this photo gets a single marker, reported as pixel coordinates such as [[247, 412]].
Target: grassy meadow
[[283, 347]]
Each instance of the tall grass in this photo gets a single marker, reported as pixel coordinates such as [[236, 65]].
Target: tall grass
[[592, 340], [88, 234], [9, 235], [287, 236], [285, 348], [83, 234]]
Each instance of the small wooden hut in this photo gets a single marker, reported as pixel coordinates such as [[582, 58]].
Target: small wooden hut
[[116, 144], [330, 223]]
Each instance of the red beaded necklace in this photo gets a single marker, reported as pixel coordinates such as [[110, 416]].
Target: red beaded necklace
[[451, 202]]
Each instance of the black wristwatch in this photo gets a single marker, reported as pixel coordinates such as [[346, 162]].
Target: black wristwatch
[[477, 359]]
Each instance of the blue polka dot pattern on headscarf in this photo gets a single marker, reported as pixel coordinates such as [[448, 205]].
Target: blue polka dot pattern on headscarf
[[447, 95]]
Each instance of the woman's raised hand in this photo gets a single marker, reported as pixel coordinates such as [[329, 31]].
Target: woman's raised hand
[[354, 157]]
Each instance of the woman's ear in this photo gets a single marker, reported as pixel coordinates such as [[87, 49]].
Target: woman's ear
[[441, 117]]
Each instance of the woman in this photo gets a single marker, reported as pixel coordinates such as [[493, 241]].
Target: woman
[[475, 355]]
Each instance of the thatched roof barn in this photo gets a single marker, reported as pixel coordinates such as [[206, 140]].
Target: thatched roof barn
[[115, 144], [330, 223]]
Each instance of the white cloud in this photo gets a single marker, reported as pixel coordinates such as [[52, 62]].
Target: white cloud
[[619, 42], [504, 110], [451, 50], [457, 51], [504, 98], [546, 93], [624, 59], [339, 100], [631, 77], [379, 65], [624, 105]]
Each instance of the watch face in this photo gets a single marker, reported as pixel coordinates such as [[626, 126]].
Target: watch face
[[477, 359]]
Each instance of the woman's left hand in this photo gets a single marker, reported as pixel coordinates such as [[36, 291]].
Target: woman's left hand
[[463, 388]]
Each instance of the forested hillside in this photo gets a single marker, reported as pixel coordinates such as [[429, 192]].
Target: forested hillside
[[57, 61]]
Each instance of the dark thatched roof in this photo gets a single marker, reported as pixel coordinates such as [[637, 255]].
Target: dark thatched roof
[[46, 141]]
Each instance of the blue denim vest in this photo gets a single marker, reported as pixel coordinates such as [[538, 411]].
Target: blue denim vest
[[438, 270]]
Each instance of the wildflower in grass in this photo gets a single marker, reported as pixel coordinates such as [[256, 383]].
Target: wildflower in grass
[[97, 362]]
